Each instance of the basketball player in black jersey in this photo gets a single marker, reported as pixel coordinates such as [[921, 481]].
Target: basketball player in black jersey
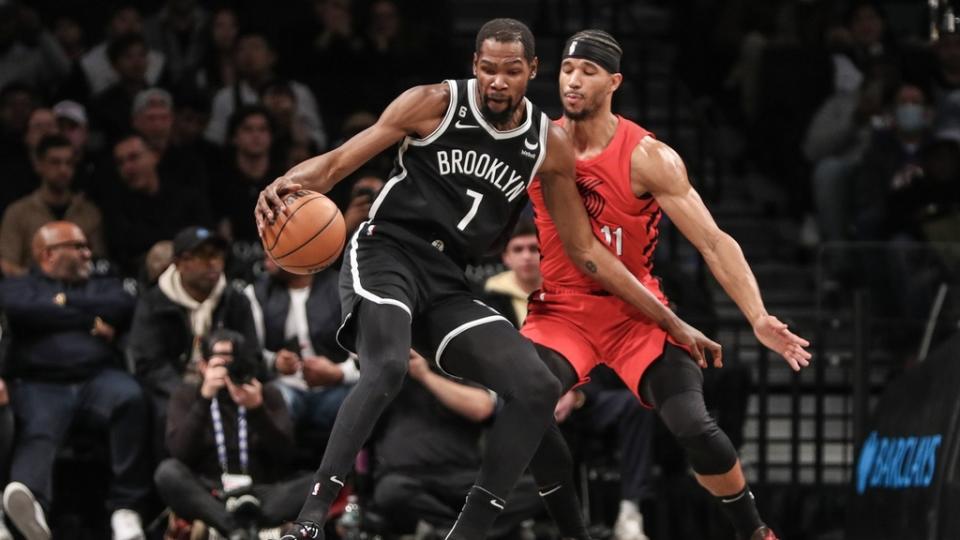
[[468, 150]]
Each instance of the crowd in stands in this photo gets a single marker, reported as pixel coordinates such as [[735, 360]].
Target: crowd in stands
[[848, 112], [138, 305], [137, 302]]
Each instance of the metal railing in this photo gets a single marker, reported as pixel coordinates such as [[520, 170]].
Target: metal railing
[[805, 427]]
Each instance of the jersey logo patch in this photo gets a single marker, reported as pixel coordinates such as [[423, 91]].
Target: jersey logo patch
[[460, 125], [593, 201], [531, 145]]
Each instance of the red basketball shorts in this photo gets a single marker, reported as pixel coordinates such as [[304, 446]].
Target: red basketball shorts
[[589, 329]]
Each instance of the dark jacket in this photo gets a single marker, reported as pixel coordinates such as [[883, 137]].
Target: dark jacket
[[323, 313], [50, 334], [161, 338], [190, 437]]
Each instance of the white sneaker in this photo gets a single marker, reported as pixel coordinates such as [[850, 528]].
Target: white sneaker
[[4, 531], [629, 525], [25, 512], [126, 525]]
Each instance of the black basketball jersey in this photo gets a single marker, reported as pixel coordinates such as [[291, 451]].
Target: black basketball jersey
[[466, 182]]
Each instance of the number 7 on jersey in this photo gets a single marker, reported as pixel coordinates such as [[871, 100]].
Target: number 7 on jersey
[[477, 197]]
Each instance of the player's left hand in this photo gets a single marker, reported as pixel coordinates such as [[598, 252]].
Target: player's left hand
[[775, 336]]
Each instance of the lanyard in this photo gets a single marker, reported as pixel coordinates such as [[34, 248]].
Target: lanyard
[[222, 441]]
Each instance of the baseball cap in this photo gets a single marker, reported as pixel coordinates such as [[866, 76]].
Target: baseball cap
[[71, 110], [191, 238]]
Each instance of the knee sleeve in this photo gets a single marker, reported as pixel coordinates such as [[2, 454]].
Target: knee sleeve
[[708, 448]]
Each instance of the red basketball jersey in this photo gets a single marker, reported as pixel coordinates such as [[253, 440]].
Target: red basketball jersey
[[624, 223]]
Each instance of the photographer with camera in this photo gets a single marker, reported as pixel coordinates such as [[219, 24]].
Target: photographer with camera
[[231, 441], [191, 298]]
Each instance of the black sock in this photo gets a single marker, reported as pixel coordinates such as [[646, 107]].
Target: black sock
[[325, 489], [564, 507], [479, 512], [741, 510]]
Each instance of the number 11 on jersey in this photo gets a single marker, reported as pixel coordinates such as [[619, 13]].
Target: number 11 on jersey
[[609, 235], [477, 197]]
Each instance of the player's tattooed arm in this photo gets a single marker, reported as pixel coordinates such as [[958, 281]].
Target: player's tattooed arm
[[588, 253], [584, 249]]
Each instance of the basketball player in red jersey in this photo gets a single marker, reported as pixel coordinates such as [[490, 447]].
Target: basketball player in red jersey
[[627, 180]]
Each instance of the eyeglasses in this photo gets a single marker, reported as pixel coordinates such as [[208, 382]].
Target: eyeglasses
[[71, 245]]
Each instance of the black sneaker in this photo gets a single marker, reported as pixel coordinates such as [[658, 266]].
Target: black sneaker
[[304, 530]]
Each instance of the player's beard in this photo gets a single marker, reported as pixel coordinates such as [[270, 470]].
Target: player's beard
[[498, 118], [586, 112]]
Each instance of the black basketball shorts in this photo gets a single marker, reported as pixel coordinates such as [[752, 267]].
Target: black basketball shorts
[[388, 265]]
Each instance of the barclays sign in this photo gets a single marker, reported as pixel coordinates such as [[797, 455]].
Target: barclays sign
[[897, 462]]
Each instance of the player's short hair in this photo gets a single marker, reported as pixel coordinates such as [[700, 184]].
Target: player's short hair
[[508, 31], [48, 142]]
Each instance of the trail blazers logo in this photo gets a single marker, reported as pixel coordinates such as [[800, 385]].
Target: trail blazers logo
[[592, 200]]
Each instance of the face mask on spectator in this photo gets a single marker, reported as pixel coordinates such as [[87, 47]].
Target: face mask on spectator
[[911, 117]]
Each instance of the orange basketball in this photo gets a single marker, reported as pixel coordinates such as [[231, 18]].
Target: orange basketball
[[308, 237]]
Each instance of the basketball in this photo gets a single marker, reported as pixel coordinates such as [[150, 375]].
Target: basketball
[[308, 237]]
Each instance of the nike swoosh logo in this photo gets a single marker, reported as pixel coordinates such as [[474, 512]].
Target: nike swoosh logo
[[549, 491], [496, 504], [464, 126], [531, 146], [336, 480], [316, 489]]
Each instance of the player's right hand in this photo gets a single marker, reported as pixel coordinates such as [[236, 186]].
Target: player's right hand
[[697, 343], [270, 203]]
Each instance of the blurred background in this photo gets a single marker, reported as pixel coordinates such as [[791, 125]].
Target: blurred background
[[824, 136]]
